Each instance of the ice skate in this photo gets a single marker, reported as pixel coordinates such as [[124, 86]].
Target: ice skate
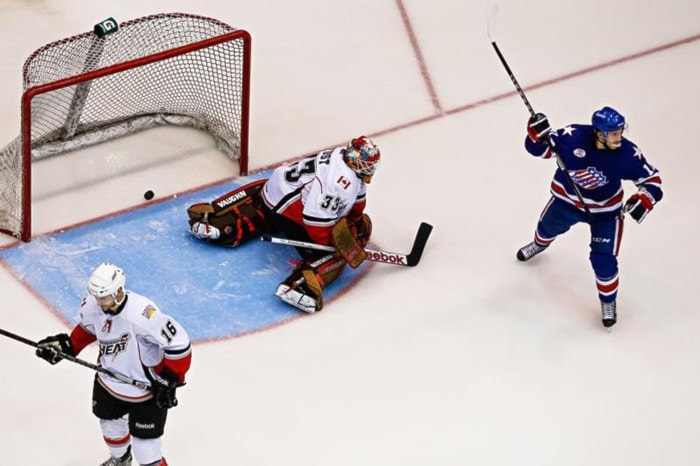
[[298, 297], [123, 461], [295, 291], [609, 312], [529, 251]]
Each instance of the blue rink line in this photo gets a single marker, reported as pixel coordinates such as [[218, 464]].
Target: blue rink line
[[214, 292]]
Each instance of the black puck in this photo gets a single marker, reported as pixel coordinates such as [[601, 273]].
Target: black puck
[[148, 195]]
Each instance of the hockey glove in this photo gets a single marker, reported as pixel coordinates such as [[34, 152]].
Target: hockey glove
[[361, 228], [639, 205], [538, 127], [48, 349], [204, 231], [346, 243], [163, 389]]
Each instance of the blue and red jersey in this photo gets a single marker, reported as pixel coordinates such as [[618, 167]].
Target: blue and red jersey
[[598, 173]]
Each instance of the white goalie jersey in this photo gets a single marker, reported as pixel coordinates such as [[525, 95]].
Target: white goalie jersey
[[316, 191], [133, 342]]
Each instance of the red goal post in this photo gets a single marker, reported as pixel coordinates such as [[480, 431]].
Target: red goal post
[[165, 69]]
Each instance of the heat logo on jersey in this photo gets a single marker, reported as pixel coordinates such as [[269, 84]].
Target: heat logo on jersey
[[114, 347], [589, 178]]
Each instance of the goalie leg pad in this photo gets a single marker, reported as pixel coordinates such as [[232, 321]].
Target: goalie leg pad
[[303, 289], [328, 270], [238, 215], [199, 212], [295, 291]]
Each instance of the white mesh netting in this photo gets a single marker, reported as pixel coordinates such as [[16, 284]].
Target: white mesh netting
[[199, 87]]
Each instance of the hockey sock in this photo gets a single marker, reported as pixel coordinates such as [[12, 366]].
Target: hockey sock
[[116, 435]]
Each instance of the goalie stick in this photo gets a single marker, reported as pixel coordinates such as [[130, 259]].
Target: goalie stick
[[491, 26], [116, 375], [410, 260]]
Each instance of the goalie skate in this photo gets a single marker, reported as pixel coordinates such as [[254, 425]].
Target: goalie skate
[[297, 297]]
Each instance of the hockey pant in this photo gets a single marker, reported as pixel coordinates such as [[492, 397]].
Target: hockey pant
[[125, 423], [292, 229], [606, 235], [238, 214]]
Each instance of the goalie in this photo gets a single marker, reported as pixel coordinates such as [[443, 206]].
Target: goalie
[[319, 199]]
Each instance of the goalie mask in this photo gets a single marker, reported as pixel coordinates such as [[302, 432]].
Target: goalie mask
[[107, 280], [362, 156]]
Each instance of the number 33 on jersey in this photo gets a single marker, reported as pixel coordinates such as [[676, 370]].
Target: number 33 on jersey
[[319, 190]]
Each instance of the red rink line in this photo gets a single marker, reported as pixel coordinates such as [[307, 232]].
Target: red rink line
[[565, 77], [419, 56]]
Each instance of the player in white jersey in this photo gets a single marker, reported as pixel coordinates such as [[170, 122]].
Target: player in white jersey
[[319, 199], [136, 340]]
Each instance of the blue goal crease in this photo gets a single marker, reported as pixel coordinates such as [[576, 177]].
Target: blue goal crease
[[214, 292]]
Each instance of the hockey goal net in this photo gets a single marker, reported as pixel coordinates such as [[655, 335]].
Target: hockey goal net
[[165, 69]]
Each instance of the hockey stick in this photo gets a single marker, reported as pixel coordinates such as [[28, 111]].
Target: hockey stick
[[70, 358], [410, 260], [560, 163]]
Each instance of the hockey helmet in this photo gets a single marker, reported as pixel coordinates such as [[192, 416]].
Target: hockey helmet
[[106, 280], [608, 119], [362, 156]]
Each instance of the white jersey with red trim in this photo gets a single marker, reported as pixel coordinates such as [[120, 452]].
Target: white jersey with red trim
[[133, 342], [316, 191]]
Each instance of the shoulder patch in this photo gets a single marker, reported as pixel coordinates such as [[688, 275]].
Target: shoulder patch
[[344, 182], [149, 312]]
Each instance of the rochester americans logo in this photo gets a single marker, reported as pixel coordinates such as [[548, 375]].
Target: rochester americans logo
[[589, 178]]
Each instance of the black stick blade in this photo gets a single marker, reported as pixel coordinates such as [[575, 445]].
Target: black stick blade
[[421, 240]]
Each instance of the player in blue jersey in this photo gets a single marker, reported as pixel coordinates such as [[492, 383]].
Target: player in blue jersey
[[597, 158]]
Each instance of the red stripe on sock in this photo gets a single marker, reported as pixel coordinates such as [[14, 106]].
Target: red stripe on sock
[[608, 288], [118, 442]]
